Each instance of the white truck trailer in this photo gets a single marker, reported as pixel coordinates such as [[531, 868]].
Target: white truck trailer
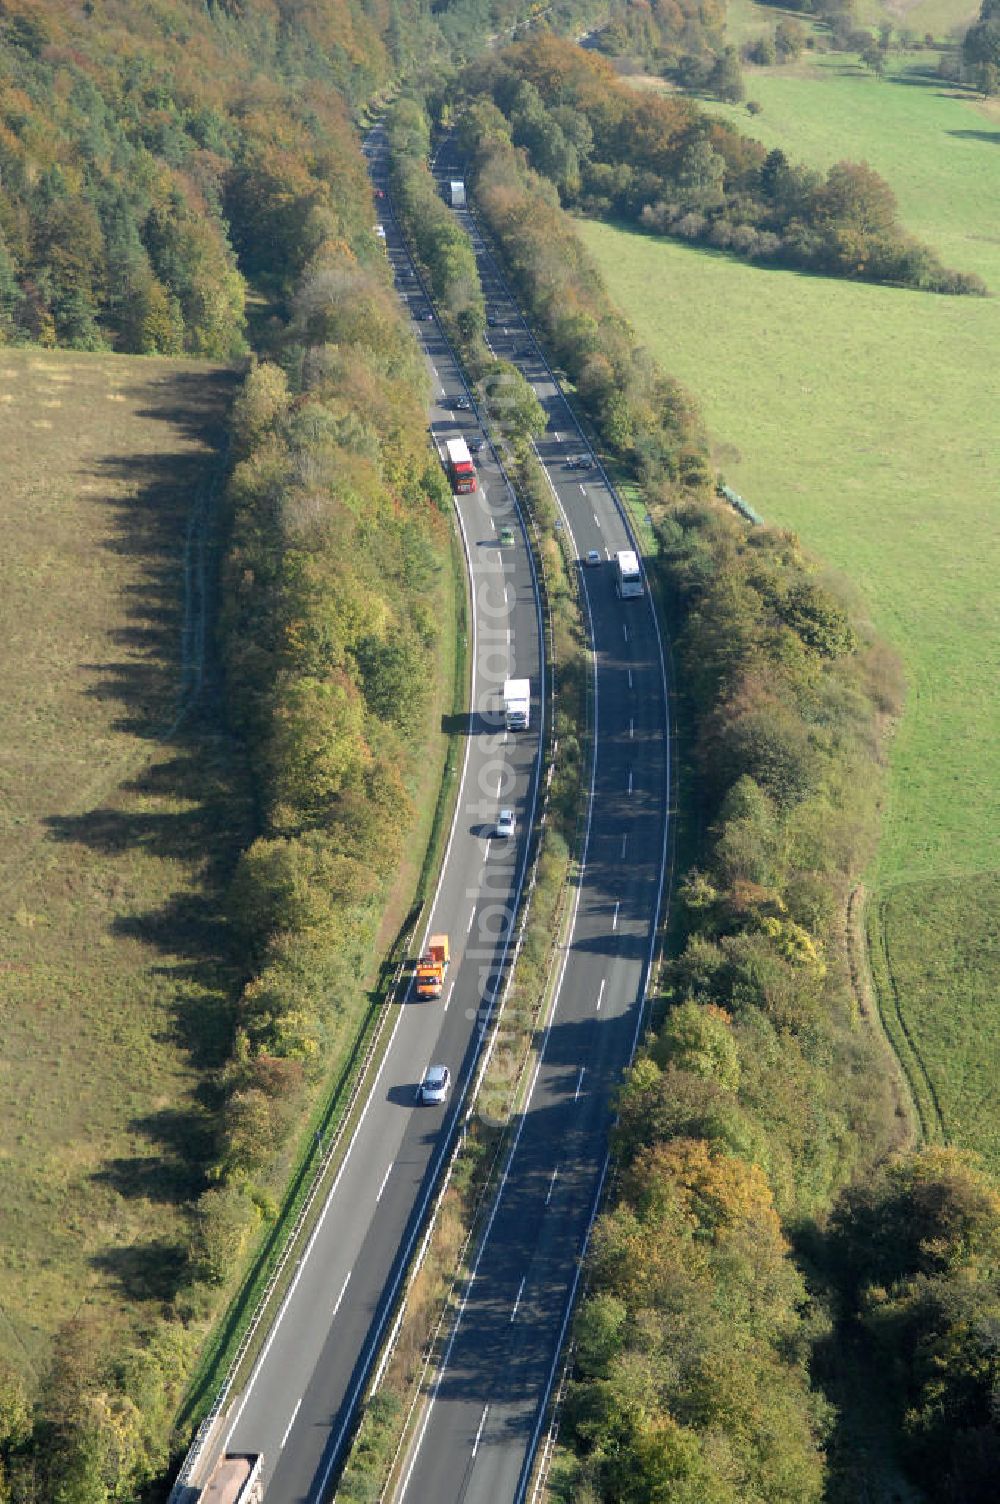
[[517, 704]]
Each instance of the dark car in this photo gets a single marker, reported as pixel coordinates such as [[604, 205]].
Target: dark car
[[463, 405], [476, 446]]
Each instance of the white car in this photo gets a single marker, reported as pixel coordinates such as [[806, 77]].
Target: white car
[[505, 823], [593, 556], [436, 1084]]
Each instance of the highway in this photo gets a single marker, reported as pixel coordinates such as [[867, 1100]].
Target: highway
[[299, 1403], [479, 1428]]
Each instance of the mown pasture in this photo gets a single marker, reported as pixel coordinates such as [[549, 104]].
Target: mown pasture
[[865, 418], [121, 803], [935, 145]]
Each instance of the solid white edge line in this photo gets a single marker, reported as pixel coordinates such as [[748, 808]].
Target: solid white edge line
[[258, 1366], [442, 1367], [403, 1262], [640, 1015]]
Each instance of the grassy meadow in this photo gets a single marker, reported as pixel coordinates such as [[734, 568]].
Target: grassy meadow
[[120, 807], [866, 419], [936, 953]]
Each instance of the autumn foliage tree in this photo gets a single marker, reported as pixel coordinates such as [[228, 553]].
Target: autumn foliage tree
[[661, 162]]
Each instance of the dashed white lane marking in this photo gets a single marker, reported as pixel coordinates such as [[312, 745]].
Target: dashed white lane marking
[[630, 781], [343, 1290], [600, 999], [382, 1187], [517, 1302], [552, 1185], [614, 918], [630, 678], [631, 729], [451, 989], [472, 918], [624, 844], [479, 1433], [625, 630], [557, 437], [290, 1423], [579, 1084], [596, 518]]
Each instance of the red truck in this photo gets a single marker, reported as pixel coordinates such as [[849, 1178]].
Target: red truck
[[461, 470]]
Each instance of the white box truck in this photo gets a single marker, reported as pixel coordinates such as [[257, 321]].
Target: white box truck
[[517, 704], [457, 187], [628, 575]]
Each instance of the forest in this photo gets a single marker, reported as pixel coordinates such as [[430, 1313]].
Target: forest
[[155, 161], [187, 179]]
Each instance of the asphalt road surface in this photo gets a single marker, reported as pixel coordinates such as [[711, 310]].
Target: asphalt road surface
[[298, 1406], [479, 1430]]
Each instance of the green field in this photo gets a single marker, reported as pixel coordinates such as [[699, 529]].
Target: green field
[[120, 804], [866, 419], [936, 146], [940, 18], [937, 958]]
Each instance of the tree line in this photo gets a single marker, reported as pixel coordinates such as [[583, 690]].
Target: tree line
[[154, 160], [766, 1226], [981, 50], [662, 163]]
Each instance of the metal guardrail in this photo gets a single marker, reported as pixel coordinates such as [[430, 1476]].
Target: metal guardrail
[[551, 1404], [205, 1432]]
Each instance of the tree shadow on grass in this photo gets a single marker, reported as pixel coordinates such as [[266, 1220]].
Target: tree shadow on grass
[[173, 1176], [162, 517], [991, 137], [145, 1271], [189, 806]]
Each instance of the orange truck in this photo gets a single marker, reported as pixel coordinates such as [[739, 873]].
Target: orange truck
[[432, 966]]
